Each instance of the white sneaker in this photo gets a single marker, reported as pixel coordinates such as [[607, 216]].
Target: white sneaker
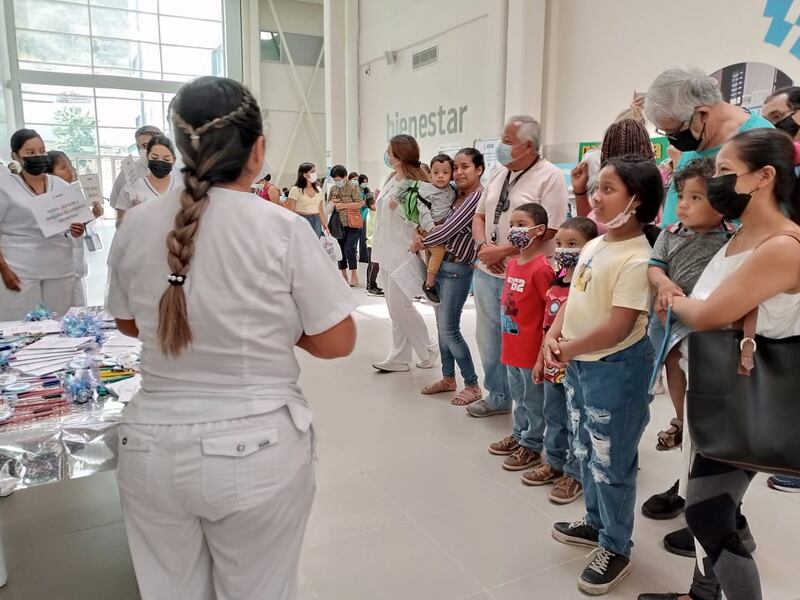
[[431, 361], [391, 367]]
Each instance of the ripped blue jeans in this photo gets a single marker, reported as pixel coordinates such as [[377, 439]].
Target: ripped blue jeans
[[611, 398]]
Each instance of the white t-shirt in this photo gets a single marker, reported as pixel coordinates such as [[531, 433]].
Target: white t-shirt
[[543, 184], [142, 191], [259, 278], [25, 249]]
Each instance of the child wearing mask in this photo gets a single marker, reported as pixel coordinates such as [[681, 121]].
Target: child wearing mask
[[562, 468], [522, 307], [435, 201], [680, 255], [600, 336]]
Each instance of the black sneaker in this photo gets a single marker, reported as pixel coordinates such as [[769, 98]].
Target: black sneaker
[[681, 542], [431, 293], [604, 573], [667, 505], [577, 533], [375, 292]]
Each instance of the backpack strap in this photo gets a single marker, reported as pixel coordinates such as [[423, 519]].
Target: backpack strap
[[748, 346]]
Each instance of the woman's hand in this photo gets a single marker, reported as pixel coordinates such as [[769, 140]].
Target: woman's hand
[[10, 279], [393, 204], [77, 229], [416, 243], [580, 177], [97, 210], [666, 292]]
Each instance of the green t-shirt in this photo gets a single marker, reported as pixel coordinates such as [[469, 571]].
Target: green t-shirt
[[670, 216]]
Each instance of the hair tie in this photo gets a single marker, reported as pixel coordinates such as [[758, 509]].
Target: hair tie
[[796, 154], [177, 279]]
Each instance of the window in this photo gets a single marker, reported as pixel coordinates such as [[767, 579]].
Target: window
[[151, 39], [270, 46]]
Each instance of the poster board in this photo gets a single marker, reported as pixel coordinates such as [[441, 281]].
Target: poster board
[[56, 211]]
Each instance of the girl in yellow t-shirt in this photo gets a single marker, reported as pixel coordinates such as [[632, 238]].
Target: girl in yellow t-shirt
[[600, 336]]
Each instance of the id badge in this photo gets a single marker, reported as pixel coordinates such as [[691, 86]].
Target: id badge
[[93, 242]]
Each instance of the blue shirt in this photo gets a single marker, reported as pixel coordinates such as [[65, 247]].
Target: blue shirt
[[671, 205]]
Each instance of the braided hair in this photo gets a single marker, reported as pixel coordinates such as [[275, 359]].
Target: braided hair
[[624, 138], [217, 122]]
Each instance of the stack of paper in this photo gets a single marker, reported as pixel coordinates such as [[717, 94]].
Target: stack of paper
[[49, 354], [117, 344], [17, 328]]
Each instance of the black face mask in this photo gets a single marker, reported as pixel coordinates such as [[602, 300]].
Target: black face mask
[[36, 165], [724, 198], [685, 140], [159, 168], [788, 124]]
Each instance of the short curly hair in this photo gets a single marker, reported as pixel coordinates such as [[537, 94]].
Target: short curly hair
[[702, 168]]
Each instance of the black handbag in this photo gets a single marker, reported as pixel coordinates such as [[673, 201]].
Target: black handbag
[[335, 225], [743, 397]]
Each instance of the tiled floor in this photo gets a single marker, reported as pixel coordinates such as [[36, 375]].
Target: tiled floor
[[410, 506]]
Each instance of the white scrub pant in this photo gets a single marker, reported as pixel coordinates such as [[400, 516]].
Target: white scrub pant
[[56, 294], [408, 327], [218, 510], [80, 293]]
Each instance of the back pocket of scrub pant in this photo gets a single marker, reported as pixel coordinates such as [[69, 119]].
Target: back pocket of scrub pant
[[240, 468], [134, 460]]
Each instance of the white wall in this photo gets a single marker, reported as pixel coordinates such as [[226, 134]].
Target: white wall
[[461, 80], [280, 100], [595, 54]]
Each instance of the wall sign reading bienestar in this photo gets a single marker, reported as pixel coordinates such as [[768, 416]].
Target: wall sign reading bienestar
[[442, 122]]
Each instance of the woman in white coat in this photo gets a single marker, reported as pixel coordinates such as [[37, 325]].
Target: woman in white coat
[[215, 469], [393, 237], [35, 269], [159, 179]]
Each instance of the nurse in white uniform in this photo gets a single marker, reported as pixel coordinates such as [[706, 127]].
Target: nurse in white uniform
[[35, 269], [215, 468], [160, 178], [119, 191]]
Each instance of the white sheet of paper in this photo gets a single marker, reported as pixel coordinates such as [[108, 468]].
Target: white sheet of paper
[[126, 389], [128, 167], [91, 188], [56, 211], [59, 343], [410, 276], [13, 328]]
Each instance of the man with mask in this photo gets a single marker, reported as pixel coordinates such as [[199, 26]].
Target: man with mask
[[687, 107], [143, 135], [782, 109], [523, 177]]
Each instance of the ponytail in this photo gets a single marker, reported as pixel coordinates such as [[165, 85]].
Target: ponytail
[[210, 156]]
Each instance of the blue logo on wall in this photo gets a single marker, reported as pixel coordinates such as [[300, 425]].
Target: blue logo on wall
[[778, 32]]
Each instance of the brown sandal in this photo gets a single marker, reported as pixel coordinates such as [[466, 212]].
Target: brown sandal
[[439, 387], [672, 437], [467, 396]]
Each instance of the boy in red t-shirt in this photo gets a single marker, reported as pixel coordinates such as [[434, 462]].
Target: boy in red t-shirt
[[561, 468], [522, 308]]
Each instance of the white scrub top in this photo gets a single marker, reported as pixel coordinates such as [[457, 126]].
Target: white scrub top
[[4, 171], [393, 234], [142, 191], [25, 249], [259, 278]]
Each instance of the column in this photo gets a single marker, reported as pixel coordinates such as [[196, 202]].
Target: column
[[525, 57]]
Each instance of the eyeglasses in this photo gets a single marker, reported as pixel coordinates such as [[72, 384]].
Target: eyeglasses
[[685, 124]]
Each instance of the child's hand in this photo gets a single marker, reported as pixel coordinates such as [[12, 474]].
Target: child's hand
[[393, 204], [537, 376], [550, 350], [666, 292], [416, 243]]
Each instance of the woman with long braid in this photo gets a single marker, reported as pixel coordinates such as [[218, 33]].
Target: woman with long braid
[[216, 472]]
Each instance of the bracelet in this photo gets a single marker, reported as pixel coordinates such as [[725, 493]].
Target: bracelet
[[583, 193]]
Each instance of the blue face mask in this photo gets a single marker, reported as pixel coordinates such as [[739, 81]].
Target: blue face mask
[[340, 183], [503, 153], [386, 160]]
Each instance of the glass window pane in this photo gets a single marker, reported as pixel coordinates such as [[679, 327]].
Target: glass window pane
[[188, 61], [191, 32], [107, 22], [44, 108], [114, 112], [201, 9], [51, 16], [141, 5], [131, 94], [126, 55], [270, 46], [117, 140], [53, 48]]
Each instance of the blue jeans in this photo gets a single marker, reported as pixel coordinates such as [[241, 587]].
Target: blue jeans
[[454, 280], [561, 422], [488, 290], [612, 397], [316, 223], [528, 408]]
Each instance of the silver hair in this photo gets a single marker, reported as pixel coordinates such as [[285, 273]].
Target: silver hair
[[677, 92], [529, 129]]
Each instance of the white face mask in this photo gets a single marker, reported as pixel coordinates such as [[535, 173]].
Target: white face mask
[[622, 218], [312, 176], [258, 186]]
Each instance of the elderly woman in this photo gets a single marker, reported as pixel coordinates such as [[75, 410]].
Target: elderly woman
[[454, 278], [393, 236]]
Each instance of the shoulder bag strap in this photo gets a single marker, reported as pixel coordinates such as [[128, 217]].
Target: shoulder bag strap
[[748, 345]]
